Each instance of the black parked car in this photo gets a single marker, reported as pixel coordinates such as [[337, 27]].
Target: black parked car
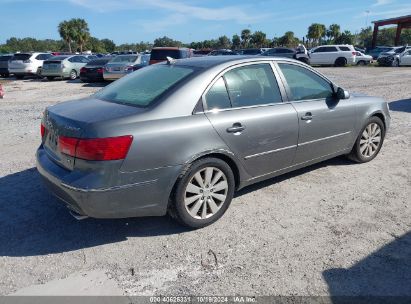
[[4, 65], [93, 71], [386, 61], [280, 52]]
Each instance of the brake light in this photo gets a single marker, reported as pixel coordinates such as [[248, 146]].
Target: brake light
[[83, 70], [100, 70], [42, 130], [111, 148]]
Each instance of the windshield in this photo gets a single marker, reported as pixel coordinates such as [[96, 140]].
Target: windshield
[[124, 58], [144, 86]]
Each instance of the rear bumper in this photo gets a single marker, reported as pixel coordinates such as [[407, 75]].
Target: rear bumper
[[23, 71], [147, 193], [91, 77]]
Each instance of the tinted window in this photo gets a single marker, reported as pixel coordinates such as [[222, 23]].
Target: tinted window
[[163, 54], [283, 51], [251, 52], [326, 49], [304, 84], [252, 85], [217, 96], [98, 62], [124, 58], [21, 57], [83, 59], [345, 48], [59, 58], [43, 56], [5, 58], [144, 86]]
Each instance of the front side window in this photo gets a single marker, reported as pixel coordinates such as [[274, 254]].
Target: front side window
[[252, 85], [217, 96], [305, 84], [144, 86]]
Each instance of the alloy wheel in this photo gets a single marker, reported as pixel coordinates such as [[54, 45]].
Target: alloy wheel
[[206, 193], [370, 140]]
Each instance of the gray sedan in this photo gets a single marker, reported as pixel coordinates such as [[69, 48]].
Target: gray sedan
[[181, 137]]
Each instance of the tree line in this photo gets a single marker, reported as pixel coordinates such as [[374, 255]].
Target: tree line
[[75, 36]]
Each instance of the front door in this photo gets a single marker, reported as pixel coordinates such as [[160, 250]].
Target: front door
[[245, 107], [326, 123]]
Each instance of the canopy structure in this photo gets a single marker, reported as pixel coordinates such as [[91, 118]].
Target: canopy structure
[[401, 22]]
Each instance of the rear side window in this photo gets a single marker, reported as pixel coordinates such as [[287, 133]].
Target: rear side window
[[43, 56], [144, 86], [217, 96], [252, 85], [345, 48], [304, 84]]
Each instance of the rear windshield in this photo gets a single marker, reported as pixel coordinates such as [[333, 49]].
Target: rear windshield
[[163, 54], [21, 56], [5, 58], [344, 48], [98, 62], [144, 86], [124, 58]]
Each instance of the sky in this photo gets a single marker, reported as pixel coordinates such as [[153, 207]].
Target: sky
[[144, 20]]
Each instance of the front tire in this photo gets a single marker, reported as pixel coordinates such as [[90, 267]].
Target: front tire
[[50, 78], [203, 193], [19, 77], [361, 62], [369, 141]]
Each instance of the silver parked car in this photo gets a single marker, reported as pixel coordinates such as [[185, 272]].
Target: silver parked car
[[64, 66], [121, 65], [181, 137]]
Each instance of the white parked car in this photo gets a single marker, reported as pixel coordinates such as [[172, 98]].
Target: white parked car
[[24, 64], [405, 58], [363, 59], [395, 52], [337, 55]]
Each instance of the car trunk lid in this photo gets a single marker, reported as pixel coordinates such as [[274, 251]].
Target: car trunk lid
[[78, 119]]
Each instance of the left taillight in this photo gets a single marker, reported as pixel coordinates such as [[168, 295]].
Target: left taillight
[[97, 149], [42, 130]]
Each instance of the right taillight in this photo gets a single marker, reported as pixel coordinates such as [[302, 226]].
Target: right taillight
[[111, 148], [83, 70]]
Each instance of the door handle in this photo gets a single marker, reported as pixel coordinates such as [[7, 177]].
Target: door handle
[[307, 116], [236, 128]]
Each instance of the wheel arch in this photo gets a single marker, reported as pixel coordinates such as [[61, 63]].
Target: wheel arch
[[381, 116]]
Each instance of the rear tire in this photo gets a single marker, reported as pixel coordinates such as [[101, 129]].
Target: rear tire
[[203, 193], [340, 62], [19, 77], [361, 62], [369, 141], [50, 78], [73, 75]]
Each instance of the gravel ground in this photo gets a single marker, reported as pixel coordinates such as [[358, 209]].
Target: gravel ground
[[335, 228]]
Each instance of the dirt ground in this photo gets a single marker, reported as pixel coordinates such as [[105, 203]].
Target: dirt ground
[[335, 228]]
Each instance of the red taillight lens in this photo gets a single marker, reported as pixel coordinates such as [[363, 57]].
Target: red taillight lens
[[67, 145], [83, 70], [100, 70], [42, 130], [112, 148]]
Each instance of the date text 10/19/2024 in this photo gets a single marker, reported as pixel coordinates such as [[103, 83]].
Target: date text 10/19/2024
[[202, 299]]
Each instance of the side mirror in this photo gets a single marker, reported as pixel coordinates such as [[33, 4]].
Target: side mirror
[[342, 94]]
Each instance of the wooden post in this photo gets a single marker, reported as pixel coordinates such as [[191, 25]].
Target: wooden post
[[374, 36], [398, 35]]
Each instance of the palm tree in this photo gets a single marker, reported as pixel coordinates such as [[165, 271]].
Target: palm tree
[[258, 38], [245, 37], [316, 31], [81, 32], [66, 33]]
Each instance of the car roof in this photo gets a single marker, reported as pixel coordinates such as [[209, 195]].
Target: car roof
[[213, 61]]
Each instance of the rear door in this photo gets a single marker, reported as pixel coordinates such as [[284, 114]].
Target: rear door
[[326, 124], [245, 107], [406, 58]]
